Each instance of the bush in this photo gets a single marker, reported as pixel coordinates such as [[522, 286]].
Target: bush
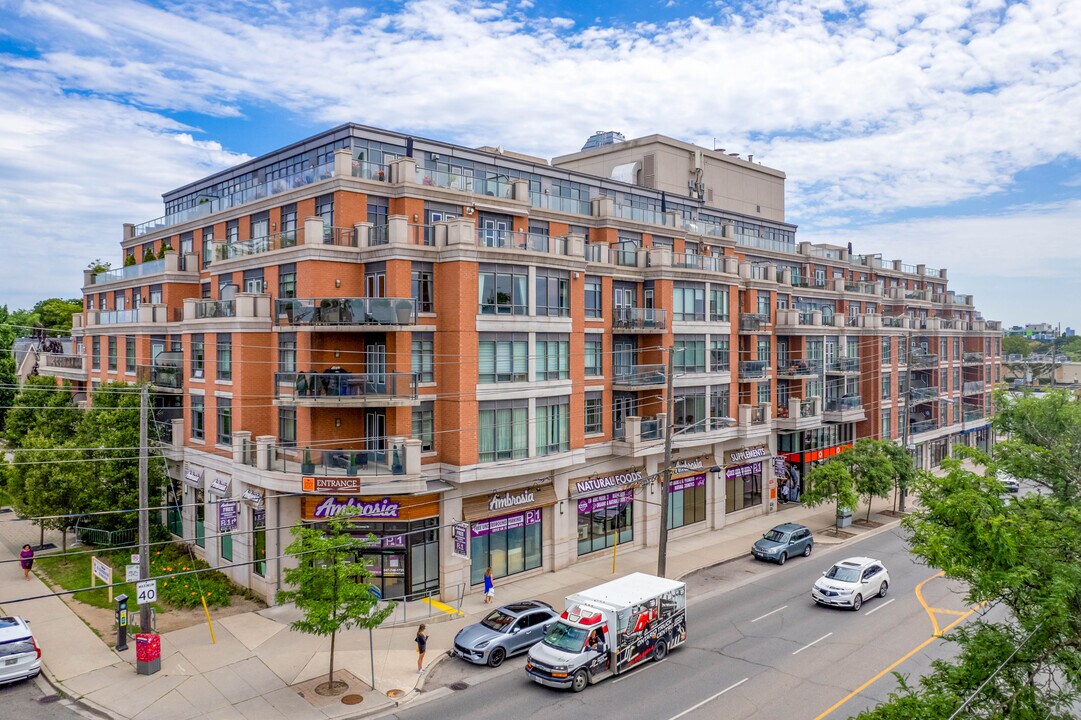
[[183, 591]]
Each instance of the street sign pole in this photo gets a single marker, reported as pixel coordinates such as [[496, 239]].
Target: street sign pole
[[144, 501]]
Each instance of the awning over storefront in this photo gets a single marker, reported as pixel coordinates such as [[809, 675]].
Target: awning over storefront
[[508, 501]]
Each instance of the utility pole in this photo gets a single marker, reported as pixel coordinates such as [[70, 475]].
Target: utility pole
[[144, 512], [662, 544], [908, 394]]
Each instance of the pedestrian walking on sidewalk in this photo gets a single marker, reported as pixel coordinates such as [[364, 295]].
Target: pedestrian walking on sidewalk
[[27, 561], [489, 587], [422, 645], [795, 492]]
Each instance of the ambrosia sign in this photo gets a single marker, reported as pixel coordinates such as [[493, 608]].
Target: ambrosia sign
[[398, 507], [509, 501]]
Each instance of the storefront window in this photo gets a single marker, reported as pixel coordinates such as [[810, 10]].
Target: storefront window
[[687, 500], [258, 541], [200, 519], [403, 557], [601, 516], [743, 487], [509, 544]]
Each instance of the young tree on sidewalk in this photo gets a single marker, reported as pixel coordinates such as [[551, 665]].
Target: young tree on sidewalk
[[330, 587], [871, 469], [830, 483]]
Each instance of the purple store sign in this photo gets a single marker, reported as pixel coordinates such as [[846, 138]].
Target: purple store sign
[[385, 509], [604, 502], [507, 522], [686, 483], [742, 471], [460, 532]]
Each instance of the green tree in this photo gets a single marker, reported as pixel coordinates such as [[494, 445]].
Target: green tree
[[44, 408], [870, 467], [329, 586], [1044, 443], [830, 483], [1016, 345], [9, 380], [904, 470], [1019, 554], [55, 314]]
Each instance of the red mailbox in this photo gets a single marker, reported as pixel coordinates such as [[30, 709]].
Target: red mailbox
[[147, 648]]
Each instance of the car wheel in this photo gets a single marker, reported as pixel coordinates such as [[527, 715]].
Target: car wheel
[[781, 558], [496, 657], [857, 603], [882, 590], [579, 681], [807, 550], [660, 650]]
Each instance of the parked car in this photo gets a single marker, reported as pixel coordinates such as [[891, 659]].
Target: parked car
[[507, 630], [20, 656], [1009, 482], [782, 542], [850, 582]]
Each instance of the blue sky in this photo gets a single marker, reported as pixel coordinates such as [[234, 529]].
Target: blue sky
[[935, 131]]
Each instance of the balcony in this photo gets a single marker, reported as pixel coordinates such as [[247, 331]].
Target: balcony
[[336, 388], [845, 409], [495, 187], [161, 377], [68, 367], [514, 240], [972, 358], [918, 395], [146, 313], [243, 308], [973, 415], [346, 313], [692, 261], [129, 272], [974, 387], [560, 204], [799, 369], [799, 414], [754, 322], [923, 360], [205, 309], [922, 426], [639, 320], [639, 377], [754, 420], [347, 462], [752, 369], [259, 245], [843, 366]]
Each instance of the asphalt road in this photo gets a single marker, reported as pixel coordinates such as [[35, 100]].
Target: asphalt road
[[758, 647], [26, 700]]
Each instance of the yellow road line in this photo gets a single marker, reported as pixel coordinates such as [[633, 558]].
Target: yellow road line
[[937, 633], [442, 606]]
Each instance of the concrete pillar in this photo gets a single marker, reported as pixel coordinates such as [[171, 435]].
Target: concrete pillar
[[264, 447], [313, 231], [343, 162]]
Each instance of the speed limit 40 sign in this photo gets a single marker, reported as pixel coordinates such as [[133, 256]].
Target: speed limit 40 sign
[[146, 591]]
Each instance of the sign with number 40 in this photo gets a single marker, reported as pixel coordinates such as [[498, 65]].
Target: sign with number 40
[[146, 591]]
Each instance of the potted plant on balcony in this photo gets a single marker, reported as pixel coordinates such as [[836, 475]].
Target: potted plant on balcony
[[353, 466], [166, 247], [307, 467], [396, 467], [404, 310], [148, 255], [129, 260]]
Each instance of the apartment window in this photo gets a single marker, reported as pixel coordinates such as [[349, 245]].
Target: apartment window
[[287, 280], [957, 348], [424, 426], [594, 413], [689, 301], [503, 290], [198, 405], [763, 393], [762, 347], [719, 399], [886, 430], [553, 292], [253, 280], [553, 357], [287, 352], [593, 297], [956, 379], [553, 425], [423, 287], [719, 305], [502, 430], [208, 246], [720, 356], [287, 427], [288, 225], [378, 209], [886, 382], [504, 357], [424, 357], [204, 291], [763, 304], [112, 353], [324, 208], [225, 356], [690, 354], [225, 421], [95, 351], [594, 362], [197, 358], [232, 231], [129, 354], [690, 410], [887, 345]]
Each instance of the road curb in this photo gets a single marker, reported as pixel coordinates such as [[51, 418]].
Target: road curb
[[87, 706]]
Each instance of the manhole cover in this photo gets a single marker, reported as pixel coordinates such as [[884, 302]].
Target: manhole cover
[[394, 693], [459, 685], [352, 700], [46, 699]]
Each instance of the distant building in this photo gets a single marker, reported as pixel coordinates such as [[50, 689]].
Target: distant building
[[1043, 332]]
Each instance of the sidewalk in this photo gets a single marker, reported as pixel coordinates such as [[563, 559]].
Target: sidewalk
[[254, 669]]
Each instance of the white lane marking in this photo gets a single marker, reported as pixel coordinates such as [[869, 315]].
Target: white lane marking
[[812, 643], [629, 675], [872, 612], [709, 699], [769, 613]]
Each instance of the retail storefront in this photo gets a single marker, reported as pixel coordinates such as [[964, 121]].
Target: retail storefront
[[403, 556], [744, 476], [506, 530], [605, 507], [687, 493], [810, 448]]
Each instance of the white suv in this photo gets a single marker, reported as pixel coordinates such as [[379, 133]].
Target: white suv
[[850, 582], [20, 656]]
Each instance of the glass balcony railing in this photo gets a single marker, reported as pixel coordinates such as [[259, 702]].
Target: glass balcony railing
[[510, 239], [800, 368], [205, 309], [651, 429], [921, 426], [117, 317], [152, 267], [370, 171], [341, 462], [647, 319], [161, 376], [692, 261], [923, 394], [346, 311], [642, 215], [973, 358], [639, 375], [843, 404], [844, 365], [751, 369], [807, 408], [255, 246], [496, 187], [63, 362], [753, 322], [973, 388], [338, 387], [559, 204], [766, 244], [922, 360]]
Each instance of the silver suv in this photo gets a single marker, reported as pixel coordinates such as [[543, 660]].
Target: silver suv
[[850, 582], [782, 542], [506, 631]]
